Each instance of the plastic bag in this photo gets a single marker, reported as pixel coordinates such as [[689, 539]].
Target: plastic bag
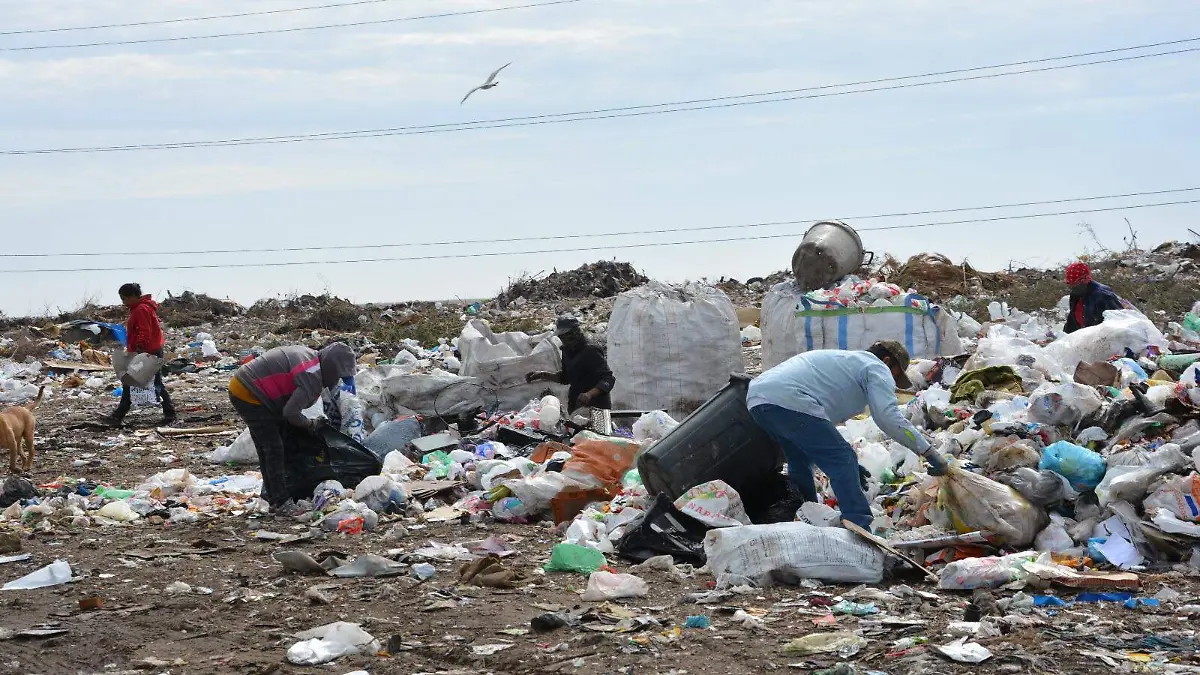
[[1179, 495], [608, 586], [652, 426], [600, 461], [1065, 403], [788, 552], [1129, 483], [140, 398], [54, 574], [166, 484], [380, 494], [1055, 538], [241, 451], [1121, 330], [574, 558], [331, 641], [989, 572], [350, 410], [350, 516], [1084, 468], [118, 511], [714, 503], [975, 502], [535, 492], [1041, 488], [393, 435]]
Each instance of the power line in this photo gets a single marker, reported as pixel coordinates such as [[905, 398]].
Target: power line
[[160, 22], [559, 237], [298, 29], [490, 254], [731, 101]]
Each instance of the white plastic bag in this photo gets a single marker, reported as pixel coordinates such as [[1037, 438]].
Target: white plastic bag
[[1122, 329], [241, 451], [672, 348], [350, 409], [331, 641], [1054, 538], [1065, 403], [1180, 495], [118, 511], [139, 397], [652, 426], [608, 586], [989, 572], [54, 574], [1124, 483], [504, 359], [788, 552], [714, 503], [380, 494]]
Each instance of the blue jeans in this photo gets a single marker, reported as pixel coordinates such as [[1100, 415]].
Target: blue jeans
[[808, 441]]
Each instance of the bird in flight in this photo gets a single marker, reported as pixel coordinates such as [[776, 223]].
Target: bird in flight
[[491, 82]]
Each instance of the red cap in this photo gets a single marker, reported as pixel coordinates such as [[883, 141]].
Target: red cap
[[1078, 273]]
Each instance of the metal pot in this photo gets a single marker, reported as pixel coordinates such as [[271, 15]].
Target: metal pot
[[829, 251]]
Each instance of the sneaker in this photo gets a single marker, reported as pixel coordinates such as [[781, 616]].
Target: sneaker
[[168, 420], [112, 421]]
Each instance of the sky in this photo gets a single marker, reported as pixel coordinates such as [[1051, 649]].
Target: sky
[[1099, 130]]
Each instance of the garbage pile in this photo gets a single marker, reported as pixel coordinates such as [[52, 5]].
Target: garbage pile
[[603, 279], [1074, 486]]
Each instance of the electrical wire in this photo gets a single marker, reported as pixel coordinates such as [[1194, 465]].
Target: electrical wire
[[297, 29], [713, 103], [160, 22], [490, 254], [591, 235]]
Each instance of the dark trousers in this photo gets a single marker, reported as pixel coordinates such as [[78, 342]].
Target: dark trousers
[[264, 429], [160, 390], [809, 441]]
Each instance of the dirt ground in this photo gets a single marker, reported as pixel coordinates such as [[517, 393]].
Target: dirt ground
[[246, 622]]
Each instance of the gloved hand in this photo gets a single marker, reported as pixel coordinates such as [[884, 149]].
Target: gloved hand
[[316, 425], [937, 464], [864, 478]]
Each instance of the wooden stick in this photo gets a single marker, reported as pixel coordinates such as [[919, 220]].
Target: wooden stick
[[888, 547]]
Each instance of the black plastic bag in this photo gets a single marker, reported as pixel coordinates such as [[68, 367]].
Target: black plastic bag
[[327, 455], [665, 530]]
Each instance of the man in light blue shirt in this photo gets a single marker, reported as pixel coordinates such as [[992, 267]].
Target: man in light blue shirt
[[800, 402]]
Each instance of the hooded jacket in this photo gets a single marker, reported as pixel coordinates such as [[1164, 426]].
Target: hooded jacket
[[286, 380], [143, 332], [1096, 300]]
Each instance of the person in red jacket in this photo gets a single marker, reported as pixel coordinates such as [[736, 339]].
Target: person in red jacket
[[144, 335]]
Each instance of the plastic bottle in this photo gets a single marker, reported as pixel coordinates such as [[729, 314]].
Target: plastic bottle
[[550, 413]]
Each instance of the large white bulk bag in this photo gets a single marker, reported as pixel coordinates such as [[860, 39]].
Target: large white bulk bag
[[504, 359], [793, 323], [672, 348]]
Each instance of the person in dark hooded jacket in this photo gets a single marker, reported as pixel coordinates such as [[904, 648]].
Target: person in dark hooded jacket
[[274, 389], [1089, 299], [143, 335]]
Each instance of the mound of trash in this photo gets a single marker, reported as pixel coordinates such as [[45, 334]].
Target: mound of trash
[[603, 279]]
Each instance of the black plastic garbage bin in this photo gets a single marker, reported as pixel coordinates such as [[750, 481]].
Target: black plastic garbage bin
[[718, 441]]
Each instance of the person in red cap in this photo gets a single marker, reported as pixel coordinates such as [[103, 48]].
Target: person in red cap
[[1089, 299]]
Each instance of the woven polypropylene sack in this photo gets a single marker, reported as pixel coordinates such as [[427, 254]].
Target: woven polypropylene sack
[[672, 348]]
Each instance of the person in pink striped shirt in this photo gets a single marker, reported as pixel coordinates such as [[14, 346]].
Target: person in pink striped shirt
[[274, 389]]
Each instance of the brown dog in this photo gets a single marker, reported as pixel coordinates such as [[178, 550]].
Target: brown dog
[[16, 425]]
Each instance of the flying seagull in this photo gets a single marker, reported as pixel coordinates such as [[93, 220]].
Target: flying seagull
[[491, 82]]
